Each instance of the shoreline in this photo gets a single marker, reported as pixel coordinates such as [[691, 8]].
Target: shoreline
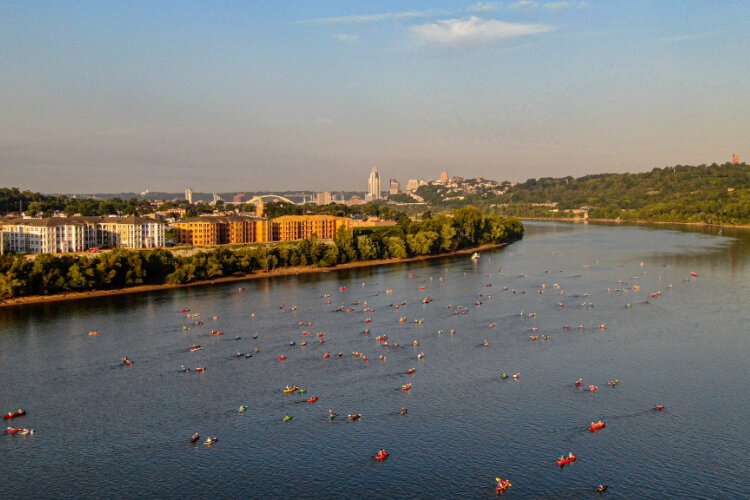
[[283, 271], [581, 220]]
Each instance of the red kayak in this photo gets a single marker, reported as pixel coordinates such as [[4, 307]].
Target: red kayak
[[14, 414], [502, 485], [595, 426], [381, 455], [562, 463], [659, 407], [410, 371], [12, 430], [312, 399]]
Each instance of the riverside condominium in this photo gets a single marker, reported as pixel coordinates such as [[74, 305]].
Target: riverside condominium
[[78, 234]]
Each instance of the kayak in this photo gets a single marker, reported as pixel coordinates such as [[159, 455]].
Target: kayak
[[381, 455], [502, 485], [14, 414], [289, 389], [312, 399], [562, 463], [595, 426], [406, 387], [411, 371], [287, 418]]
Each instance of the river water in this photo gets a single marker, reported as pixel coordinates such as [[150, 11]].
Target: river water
[[103, 429]]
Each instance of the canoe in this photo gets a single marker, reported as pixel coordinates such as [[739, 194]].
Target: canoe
[[562, 463]]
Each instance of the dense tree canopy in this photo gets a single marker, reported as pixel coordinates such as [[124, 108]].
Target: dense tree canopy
[[48, 274]]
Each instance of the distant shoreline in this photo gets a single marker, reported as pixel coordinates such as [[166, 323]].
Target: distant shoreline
[[581, 220], [282, 271]]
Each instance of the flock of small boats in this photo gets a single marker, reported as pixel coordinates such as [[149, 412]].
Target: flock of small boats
[[502, 484]]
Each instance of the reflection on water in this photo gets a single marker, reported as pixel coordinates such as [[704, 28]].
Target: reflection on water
[[104, 429]]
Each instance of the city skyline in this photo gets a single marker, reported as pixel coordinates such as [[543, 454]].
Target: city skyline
[[102, 97]]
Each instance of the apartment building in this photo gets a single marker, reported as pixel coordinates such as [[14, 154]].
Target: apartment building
[[297, 227], [78, 234], [219, 230]]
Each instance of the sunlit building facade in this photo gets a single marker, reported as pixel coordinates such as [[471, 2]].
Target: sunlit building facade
[[297, 227], [79, 234], [214, 230]]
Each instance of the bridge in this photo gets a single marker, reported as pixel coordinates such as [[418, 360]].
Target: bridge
[[270, 197]]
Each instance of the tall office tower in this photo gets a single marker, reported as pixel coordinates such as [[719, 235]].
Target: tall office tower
[[735, 159], [395, 187], [443, 177], [373, 185], [189, 195]]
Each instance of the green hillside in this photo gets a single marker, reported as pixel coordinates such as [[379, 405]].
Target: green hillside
[[706, 193]]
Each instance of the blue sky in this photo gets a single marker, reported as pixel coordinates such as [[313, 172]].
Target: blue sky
[[222, 96]]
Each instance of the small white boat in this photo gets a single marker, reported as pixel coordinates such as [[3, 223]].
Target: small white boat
[[475, 256]]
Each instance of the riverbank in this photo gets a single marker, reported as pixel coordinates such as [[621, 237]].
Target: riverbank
[[581, 220], [284, 271]]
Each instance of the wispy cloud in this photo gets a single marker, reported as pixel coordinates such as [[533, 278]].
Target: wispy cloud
[[559, 5], [484, 7], [684, 38], [346, 38], [473, 31], [370, 18]]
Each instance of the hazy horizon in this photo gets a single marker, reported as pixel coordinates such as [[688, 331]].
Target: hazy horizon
[[124, 97]]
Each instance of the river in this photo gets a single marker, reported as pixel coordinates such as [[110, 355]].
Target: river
[[103, 429]]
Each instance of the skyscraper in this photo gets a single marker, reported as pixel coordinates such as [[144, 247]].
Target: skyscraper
[[395, 187], [189, 195], [373, 185]]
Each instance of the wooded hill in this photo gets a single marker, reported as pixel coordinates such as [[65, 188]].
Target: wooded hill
[[705, 193]]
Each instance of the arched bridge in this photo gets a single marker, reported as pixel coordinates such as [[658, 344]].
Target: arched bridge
[[270, 197]]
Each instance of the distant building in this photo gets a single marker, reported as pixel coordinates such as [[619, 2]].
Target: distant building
[[356, 200], [412, 185], [260, 208], [189, 195], [395, 187], [238, 198], [323, 198], [79, 234], [735, 159], [297, 227], [444, 177], [373, 185]]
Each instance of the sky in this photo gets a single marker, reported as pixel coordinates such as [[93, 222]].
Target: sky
[[112, 96]]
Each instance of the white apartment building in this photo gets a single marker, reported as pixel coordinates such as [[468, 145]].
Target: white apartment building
[[78, 234]]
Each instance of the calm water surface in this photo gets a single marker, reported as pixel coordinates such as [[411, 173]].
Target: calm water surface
[[103, 429]]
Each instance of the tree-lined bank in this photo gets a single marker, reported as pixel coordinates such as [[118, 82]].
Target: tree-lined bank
[[55, 274]]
